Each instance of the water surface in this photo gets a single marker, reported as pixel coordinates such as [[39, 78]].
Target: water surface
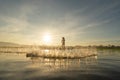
[[104, 66]]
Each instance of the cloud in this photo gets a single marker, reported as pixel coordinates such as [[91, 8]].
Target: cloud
[[19, 23], [13, 24]]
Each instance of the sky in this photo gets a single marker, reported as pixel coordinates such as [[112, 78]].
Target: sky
[[45, 22]]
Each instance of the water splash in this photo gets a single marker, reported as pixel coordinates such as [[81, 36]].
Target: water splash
[[64, 54]]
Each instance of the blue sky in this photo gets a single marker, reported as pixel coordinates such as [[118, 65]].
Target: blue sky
[[81, 22]]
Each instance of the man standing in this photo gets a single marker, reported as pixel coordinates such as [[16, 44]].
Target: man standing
[[63, 43]]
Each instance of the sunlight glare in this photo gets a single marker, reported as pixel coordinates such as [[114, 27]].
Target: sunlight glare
[[47, 39]]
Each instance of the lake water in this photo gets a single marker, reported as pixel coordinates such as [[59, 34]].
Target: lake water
[[104, 66]]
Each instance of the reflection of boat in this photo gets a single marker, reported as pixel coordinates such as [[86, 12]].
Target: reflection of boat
[[51, 64], [32, 55]]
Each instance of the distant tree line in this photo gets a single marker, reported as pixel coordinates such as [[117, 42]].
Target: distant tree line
[[66, 47]]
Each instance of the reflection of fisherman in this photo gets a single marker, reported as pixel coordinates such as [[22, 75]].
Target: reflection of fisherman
[[63, 43]]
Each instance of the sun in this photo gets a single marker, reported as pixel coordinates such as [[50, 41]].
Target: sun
[[47, 39]]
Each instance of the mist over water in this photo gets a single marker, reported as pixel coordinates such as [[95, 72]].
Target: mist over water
[[104, 66]]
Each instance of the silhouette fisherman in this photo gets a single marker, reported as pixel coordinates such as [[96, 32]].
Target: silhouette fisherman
[[63, 43]]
